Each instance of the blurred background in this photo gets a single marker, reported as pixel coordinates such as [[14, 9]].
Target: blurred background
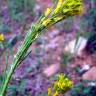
[[52, 52]]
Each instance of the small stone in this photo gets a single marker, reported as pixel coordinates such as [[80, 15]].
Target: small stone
[[51, 70], [72, 47], [86, 67], [90, 75]]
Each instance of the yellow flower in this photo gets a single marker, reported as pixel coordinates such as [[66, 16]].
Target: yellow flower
[[46, 22], [48, 11], [49, 92], [56, 94], [63, 84], [58, 18], [2, 37], [64, 9], [73, 7], [58, 7], [69, 8]]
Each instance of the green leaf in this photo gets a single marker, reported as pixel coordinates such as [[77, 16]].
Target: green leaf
[[77, 39]]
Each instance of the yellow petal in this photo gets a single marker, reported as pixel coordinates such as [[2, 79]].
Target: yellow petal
[[49, 91], [56, 94], [1, 37], [48, 11], [58, 7], [46, 22]]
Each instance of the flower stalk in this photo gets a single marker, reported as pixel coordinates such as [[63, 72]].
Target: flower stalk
[[63, 10]]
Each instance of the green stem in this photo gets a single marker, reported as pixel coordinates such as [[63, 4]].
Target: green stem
[[31, 36]]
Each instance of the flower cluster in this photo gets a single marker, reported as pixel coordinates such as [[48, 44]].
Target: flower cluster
[[62, 85], [63, 10]]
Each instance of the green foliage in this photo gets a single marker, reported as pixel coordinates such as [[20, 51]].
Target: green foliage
[[4, 28], [18, 7], [87, 34], [17, 88], [81, 90], [66, 58], [44, 94]]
